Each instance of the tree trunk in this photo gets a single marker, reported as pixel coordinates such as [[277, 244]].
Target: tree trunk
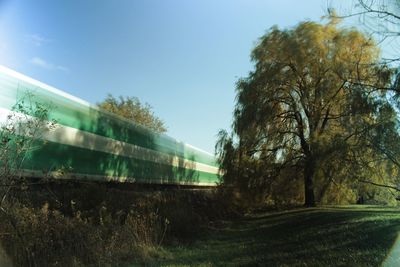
[[309, 170]]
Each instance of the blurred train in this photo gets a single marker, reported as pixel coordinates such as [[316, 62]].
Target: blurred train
[[92, 144]]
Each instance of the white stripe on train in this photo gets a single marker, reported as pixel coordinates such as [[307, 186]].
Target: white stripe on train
[[93, 177], [73, 137]]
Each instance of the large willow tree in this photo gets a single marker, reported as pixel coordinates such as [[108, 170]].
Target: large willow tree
[[315, 98]]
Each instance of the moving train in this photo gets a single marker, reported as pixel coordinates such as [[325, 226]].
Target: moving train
[[88, 143]]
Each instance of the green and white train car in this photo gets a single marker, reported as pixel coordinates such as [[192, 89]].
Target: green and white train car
[[96, 145]]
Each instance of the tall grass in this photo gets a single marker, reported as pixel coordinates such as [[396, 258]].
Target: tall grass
[[70, 224]]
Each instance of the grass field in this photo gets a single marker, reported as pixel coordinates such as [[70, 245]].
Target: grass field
[[326, 236]]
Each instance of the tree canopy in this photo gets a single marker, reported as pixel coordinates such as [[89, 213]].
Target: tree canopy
[[132, 109], [380, 18], [310, 112]]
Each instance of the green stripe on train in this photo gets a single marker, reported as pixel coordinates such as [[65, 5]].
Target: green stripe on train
[[53, 156], [79, 116]]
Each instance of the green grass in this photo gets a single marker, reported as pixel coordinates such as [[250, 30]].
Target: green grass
[[326, 236]]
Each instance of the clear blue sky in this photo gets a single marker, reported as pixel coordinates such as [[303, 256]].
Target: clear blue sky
[[182, 57]]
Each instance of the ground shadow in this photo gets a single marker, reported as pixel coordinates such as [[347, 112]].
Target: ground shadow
[[306, 237]]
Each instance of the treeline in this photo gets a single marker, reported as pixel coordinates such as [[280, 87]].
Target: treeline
[[315, 121]]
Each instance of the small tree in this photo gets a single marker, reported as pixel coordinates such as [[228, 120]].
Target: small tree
[[132, 109], [20, 134]]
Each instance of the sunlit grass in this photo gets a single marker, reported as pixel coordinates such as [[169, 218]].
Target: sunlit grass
[[326, 236]]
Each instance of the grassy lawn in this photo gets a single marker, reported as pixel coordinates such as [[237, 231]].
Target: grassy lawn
[[327, 236]]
